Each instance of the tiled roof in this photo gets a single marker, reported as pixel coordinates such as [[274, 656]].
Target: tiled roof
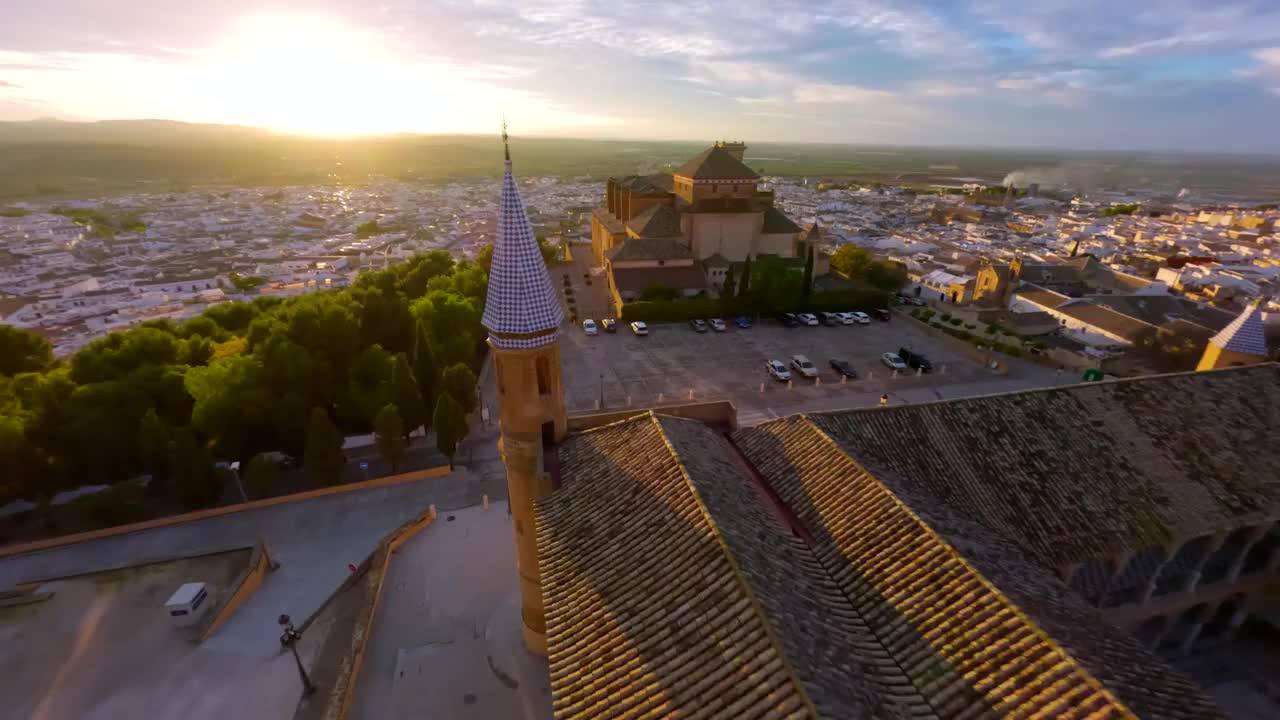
[[978, 627], [656, 221], [715, 162], [648, 614], [650, 249], [1160, 309], [1245, 334], [777, 222], [1091, 470], [680, 277], [1105, 319], [1040, 296], [521, 300]]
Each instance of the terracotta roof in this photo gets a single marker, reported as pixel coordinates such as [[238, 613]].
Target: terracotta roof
[[1245, 334], [680, 277], [656, 221], [650, 249], [776, 222], [715, 163], [647, 611], [1040, 296], [649, 184], [1091, 470], [1105, 319], [1160, 309], [980, 628]]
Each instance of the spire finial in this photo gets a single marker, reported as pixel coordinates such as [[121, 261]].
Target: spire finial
[[506, 149]]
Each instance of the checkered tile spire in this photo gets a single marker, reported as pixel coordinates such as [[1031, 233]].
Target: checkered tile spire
[[1245, 334], [521, 300]]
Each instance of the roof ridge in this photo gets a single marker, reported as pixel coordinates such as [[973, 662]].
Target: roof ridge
[[765, 621], [1033, 626]]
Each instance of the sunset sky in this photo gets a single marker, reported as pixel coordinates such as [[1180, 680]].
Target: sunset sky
[[1065, 73]]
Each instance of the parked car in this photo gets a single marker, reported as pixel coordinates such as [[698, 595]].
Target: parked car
[[804, 366], [861, 318], [742, 321], [830, 318], [589, 327], [716, 324], [789, 319], [610, 325], [881, 314], [915, 360], [639, 328], [844, 368], [777, 370], [808, 319], [892, 361], [910, 300], [698, 325]]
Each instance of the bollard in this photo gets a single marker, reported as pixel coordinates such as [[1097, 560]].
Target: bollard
[[844, 379], [895, 374], [659, 398], [789, 384], [484, 500], [919, 372], [597, 403], [761, 388], [628, 401], [690, 393], [432, 511], [817, 380]]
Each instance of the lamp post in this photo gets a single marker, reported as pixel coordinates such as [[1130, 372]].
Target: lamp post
[[289, 638], [272, 565], [601, 391]]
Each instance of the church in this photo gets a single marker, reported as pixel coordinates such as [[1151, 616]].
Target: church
[[683, 230], [1027, 554]]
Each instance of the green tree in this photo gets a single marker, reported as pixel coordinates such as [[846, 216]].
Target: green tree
[[259, 475], [659, 292], [851, 261], [459, 382], [194, 481], [153, 445], [451, 426], [730, 285], [424, 365], [390, 435], [886, 275], [806, 284], [411, 407], [324, 458], [23, 351], [367, 229], [744, 286]]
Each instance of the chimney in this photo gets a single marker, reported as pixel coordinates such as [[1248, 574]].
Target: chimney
[[736, 149]]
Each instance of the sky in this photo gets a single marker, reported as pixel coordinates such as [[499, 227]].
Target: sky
[[1088, 74]]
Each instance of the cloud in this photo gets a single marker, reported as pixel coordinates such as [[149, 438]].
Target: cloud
[[1267, 70], [4, 84], [944, 89]]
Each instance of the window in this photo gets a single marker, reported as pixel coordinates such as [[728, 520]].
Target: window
[[544, 376]]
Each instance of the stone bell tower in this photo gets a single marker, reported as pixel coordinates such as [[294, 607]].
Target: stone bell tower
[[523, 315]]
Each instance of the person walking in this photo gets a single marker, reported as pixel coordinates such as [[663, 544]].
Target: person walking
[[884, 400]]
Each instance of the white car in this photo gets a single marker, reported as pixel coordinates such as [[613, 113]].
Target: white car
[[639, 328], [861, 318], [777, 370], [717, 324], [589, 327], [892, 361], [846, 318], [804, 366], [808, 318]]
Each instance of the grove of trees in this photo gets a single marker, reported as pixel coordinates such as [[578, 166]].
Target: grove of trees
[[171, 399]]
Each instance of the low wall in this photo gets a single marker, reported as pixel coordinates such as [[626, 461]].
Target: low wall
[[20, 548], [964, 348], [246, 584], [714, 412], [372, 571]]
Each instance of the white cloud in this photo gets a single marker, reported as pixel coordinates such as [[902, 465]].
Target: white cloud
[[1267, 71], [943, 89]]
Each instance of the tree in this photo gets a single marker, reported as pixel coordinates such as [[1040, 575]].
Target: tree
[[153, 445], [659, 292], [451, 426], [194, 480], [459, 382], [744, 286], [886, 275], [424, 365], [23, 351], [390, 435], [730, 285], [851, 261], [408, 397], [806, 284], [259, 475], [324, 458]]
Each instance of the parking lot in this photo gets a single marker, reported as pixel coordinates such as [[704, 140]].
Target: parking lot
[[675, 364]]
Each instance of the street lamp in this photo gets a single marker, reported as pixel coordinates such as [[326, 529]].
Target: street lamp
[[601, 391], [289, 638]]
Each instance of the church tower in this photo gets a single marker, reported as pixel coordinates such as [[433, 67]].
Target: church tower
[[523, 315], [1242, 342]]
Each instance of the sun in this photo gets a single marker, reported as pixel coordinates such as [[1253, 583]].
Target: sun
[[310, 74]]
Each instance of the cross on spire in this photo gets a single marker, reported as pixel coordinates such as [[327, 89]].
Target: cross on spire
[[506, 149]]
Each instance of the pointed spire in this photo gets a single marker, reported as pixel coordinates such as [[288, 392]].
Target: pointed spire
[[506, 148], [1245, 334], [521, 308]]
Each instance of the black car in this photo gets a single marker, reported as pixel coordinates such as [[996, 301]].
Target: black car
[[789, 319], [881, 314], [698, 325], [915, 360], [829, 318], [610, 325], [844, 368]]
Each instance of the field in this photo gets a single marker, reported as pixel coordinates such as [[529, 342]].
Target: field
[[52, 159]]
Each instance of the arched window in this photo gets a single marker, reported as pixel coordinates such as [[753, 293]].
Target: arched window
[[544, 376]]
